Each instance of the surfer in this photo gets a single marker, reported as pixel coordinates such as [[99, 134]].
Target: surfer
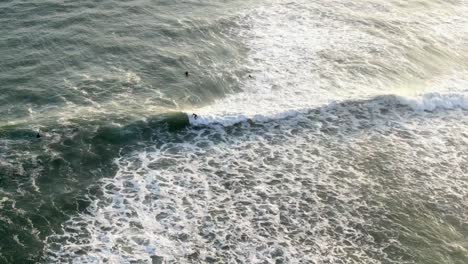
[[250, 76], [186, 74], [195, 116], [38, 135]]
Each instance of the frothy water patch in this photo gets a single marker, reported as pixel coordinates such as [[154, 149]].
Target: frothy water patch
[[306, 54], [361, 182]]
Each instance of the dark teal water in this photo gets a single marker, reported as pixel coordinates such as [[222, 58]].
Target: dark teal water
[[63, 76], [328, 132]]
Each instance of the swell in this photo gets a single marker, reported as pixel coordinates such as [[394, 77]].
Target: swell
[[106, 58]]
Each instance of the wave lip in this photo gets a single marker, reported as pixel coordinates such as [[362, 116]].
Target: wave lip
[[433, 101], [425, 102]]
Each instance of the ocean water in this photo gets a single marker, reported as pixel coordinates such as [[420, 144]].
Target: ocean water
[[327, 132]]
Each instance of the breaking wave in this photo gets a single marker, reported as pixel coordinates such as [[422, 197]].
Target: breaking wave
[[341, 183]]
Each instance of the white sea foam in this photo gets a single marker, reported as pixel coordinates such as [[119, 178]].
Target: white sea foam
[[305, 55], [314, 188]]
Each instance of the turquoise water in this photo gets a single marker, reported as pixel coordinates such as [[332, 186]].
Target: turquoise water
[[328, 131]]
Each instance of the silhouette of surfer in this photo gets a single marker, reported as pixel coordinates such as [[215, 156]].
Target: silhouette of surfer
[[38, 135], [195, 116], [186, 74]]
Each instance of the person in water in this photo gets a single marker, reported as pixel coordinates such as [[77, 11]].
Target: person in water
[[186, 74], [195, 116]]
